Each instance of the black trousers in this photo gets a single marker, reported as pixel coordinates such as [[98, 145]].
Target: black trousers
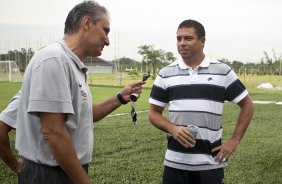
[[34, 173], [177, 176]]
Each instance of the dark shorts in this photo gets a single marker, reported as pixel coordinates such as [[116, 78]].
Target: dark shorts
[[177, 176], [34, 173]]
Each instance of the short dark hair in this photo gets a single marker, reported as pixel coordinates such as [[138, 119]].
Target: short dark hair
[[86, 8], [200, 30]]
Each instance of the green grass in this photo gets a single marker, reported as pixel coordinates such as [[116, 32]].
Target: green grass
[[251, 83], [126, 153], [7, 91], [116, 79]]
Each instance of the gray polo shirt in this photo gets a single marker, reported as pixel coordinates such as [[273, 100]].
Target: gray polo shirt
[[9, 114], [55, 82]]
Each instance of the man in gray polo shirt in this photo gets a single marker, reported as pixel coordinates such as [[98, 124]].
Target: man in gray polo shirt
[[55, 116], [8, 120]]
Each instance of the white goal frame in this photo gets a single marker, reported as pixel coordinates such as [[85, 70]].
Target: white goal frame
[[9, 71]]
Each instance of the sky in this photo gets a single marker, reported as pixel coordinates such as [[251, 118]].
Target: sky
[[238, 30]]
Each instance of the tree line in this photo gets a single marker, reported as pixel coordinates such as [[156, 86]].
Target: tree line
[[270, 64], [155, 59]]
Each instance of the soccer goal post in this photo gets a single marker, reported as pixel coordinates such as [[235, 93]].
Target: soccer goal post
[[9, 71]]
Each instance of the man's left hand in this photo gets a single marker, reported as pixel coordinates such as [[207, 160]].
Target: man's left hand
[[225, 150], [132, 88]]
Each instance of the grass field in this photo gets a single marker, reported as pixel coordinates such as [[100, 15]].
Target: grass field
[[127, 154]]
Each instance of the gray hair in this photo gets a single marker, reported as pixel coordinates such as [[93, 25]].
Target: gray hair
[[86, 8]]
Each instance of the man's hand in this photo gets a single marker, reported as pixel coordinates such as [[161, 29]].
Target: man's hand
[[243, 121], [225, 150], [103, 109], [179, 133], [132, 88], [182, 135], [18, 166]]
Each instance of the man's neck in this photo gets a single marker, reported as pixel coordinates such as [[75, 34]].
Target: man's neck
[[195, 61], [74, 45]]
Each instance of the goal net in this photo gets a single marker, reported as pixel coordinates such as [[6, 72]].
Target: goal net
[[9, 71]]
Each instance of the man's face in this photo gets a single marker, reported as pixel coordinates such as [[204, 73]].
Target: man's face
[[188, 43], [98, 36]]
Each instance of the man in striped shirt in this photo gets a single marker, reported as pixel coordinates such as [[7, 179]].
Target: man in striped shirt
[[194, 89]]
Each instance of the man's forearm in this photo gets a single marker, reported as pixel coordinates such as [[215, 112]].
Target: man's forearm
[[159, 121], [6, 154], [244, 118], [103, 109], [241, 127], [5, 150]]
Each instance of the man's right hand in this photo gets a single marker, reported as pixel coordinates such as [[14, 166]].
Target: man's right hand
[[179, 133], [182, 135]]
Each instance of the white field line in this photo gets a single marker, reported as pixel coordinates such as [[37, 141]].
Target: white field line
[[267, 102], [256, 102], [122, 114]]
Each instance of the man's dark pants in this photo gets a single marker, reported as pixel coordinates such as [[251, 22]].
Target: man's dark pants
[[177, 176], [34, 173]]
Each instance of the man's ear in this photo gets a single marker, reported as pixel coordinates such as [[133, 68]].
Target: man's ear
[[86, 23], [203, 40]]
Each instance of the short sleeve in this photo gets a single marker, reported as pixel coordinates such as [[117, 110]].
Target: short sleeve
[[235, 90], [159, 92], [50, 87], [9, 114]]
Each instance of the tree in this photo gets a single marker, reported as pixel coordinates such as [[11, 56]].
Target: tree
[[154, 58], [268, 59], [169, 57], [224, 60], [274, 63]]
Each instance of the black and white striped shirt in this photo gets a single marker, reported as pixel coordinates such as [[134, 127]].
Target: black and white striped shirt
[[196, 97]]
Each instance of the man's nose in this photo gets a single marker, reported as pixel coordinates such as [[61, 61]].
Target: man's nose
[[181, 42], [107, 41]]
